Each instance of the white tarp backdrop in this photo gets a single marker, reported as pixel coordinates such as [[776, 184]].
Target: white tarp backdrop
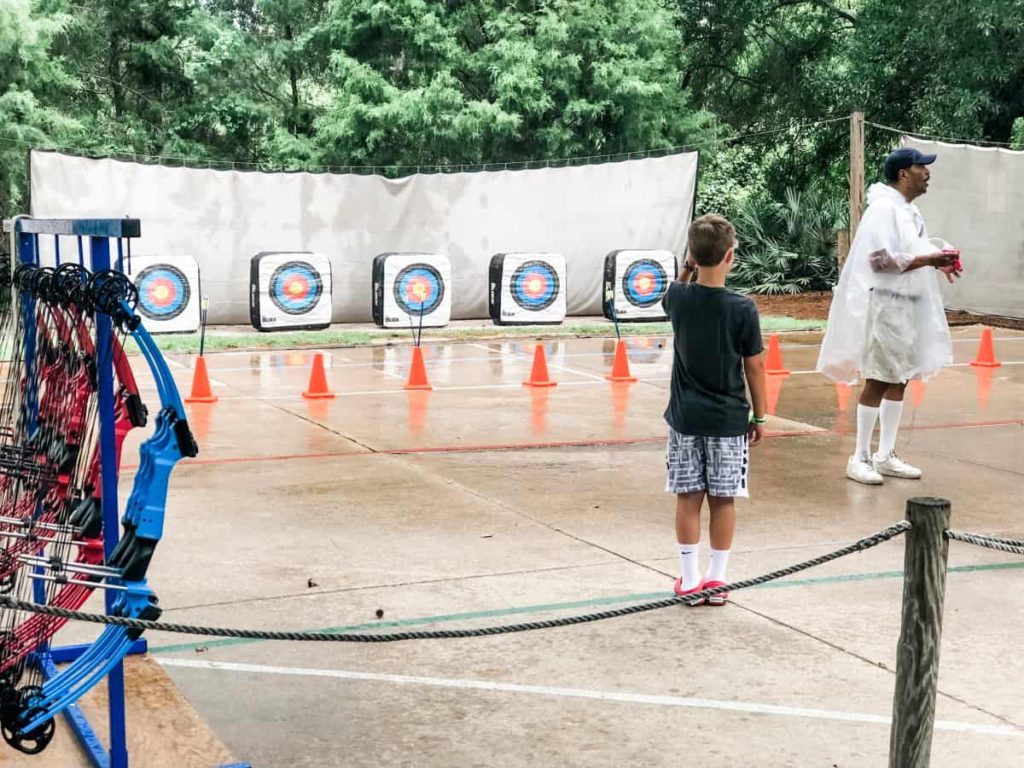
[[976, 202], [223, 218]]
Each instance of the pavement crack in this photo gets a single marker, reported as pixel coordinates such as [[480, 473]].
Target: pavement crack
[[390, 585], [526, 516], [324, 427], [876, 664]]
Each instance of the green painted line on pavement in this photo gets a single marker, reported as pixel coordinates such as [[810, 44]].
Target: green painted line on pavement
[[378, 626]]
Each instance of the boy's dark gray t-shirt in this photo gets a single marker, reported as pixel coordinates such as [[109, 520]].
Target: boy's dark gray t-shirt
[[714, 330]]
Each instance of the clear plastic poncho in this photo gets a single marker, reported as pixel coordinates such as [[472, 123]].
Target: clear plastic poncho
[[886, 323]]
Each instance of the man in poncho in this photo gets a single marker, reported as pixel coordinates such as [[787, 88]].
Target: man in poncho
[[887, 322]]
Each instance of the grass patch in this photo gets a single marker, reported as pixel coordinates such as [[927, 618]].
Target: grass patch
[[224, 339]]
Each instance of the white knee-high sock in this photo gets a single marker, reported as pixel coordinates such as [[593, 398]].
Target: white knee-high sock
[[689, 564], [866, 418], [889, 414]]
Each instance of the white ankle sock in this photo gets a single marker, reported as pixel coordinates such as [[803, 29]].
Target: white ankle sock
[[866, 418], [889, 414], [689, 564], [716, 565]]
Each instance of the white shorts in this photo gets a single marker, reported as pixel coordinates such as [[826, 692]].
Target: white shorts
[[717, 465], [890, 351]]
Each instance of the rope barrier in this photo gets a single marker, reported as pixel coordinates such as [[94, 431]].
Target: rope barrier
[[947, 139], [1013, 546], [252, 634]]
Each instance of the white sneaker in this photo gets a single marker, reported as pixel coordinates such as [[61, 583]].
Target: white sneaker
[[893, 466], [860, 470]]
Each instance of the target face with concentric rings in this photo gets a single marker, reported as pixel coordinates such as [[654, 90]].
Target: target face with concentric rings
[[535, 285], [419, 289], [635, 281], [644, 282], [164, 292], [295, 287]]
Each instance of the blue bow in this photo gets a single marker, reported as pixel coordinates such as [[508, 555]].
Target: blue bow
[[142, 527]]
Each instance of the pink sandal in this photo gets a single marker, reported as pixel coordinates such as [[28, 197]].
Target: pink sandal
[[678, 589], [721, 598]]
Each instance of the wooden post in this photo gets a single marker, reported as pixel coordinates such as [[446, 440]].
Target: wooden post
[[856, 171], [843, 238], [917, 656]]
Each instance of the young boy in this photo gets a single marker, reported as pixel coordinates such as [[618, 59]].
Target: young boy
[[717, 340]]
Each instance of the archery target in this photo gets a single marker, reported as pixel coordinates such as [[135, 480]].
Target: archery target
[[635, 282], [289, 291], [527, 288], [169, 293], [408, 285]]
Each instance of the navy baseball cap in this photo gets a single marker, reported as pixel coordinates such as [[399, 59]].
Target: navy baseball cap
[[904, 157]]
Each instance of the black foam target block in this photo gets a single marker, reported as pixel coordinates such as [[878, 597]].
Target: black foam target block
[[527, 289], [290, 290], [410, 289], [635, 282]]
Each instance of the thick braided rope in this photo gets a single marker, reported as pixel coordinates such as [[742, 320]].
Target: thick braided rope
[[1013, 546], [253, 634]]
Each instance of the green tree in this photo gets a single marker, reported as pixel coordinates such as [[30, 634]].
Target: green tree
[[127, 57], [28, 77], [423, 81], [260, 68], [945, 67]]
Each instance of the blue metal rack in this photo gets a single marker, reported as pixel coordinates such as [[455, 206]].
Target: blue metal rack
[[99, 232]]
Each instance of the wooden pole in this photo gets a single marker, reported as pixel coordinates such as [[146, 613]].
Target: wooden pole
[[843, 238], [856, 171], [917, 656]]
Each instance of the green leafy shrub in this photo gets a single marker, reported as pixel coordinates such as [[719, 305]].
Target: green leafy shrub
[[788, 247]]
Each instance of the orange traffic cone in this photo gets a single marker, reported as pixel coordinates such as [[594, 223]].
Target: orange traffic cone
[[774, 389], [917, 388], [539, 372], [201, 392], [620, 364], [417, 371], [317, 381], [986, 354], [774, 366]]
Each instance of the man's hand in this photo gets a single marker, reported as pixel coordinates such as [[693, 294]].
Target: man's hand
[[756, 434], [950, 272], [942, 260]]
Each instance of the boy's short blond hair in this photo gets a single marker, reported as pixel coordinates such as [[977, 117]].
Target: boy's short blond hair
[[710, 237]]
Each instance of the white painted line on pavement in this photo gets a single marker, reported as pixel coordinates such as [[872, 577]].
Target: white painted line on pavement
[[579, 693]]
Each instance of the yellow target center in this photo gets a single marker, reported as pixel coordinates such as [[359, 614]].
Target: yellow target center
[[419, 291], [644, 283], [534, 285], [160, 293], [295, 288]]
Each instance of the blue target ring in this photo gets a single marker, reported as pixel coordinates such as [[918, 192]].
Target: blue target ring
[[419, 289], [296, 287], [535, 285], [644, 282], [164, 292]]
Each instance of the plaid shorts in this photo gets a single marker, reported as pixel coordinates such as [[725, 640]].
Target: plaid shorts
[[717, 465]]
